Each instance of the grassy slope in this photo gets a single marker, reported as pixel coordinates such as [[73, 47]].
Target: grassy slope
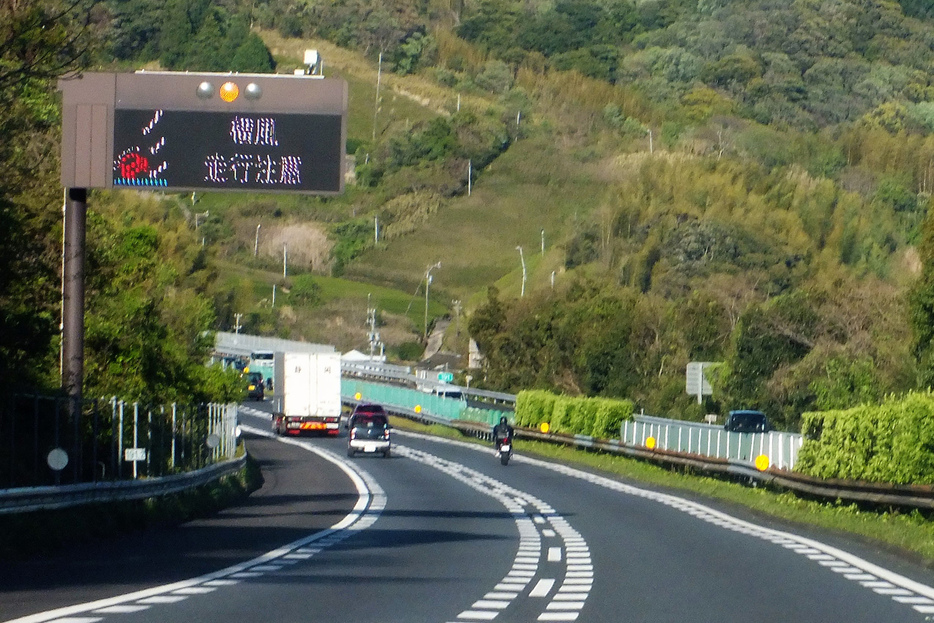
[[527, 189], [537, 184]]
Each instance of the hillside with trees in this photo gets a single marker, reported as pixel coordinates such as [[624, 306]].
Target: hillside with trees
[[735, 181]]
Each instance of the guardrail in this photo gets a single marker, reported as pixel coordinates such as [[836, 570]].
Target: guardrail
[[402, 375], [713, 441], [901, 496], [26, 499]]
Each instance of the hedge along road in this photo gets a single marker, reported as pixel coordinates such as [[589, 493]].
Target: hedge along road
[[447, 534]]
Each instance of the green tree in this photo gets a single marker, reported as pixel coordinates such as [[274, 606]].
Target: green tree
[[922, 307]]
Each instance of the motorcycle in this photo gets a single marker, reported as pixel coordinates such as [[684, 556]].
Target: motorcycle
[[505, 451]]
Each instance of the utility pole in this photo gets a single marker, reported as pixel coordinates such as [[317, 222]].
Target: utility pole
[[543, 242], [237, 324], [428, 283], [379, 76]]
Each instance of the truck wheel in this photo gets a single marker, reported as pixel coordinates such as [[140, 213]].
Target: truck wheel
[[386, 454]]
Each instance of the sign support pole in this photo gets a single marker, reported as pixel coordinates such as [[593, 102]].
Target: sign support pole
[[76, 211]]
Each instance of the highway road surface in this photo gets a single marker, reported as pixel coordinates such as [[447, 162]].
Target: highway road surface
[[441, 532]]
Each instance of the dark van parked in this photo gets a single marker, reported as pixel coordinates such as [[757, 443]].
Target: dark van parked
[[746, 421]]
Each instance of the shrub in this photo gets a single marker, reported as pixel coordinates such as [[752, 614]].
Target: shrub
[[598, 417], [892, 442]]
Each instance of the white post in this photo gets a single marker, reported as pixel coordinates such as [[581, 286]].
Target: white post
[[543, 242], [522, 259], [469, 176], [285, 258], [273, 295], [376, 229], [120, 443], [458, 102], [651, 147], [135, 434], [256, 241], [172, 460]]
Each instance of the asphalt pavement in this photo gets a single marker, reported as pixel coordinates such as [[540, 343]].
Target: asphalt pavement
[[441, 532]]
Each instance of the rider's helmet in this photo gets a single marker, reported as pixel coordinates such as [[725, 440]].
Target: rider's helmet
[[503, 421]]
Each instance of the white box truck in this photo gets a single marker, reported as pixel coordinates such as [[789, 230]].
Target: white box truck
[[308, 393]]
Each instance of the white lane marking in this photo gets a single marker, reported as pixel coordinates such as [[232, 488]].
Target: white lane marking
[[479, 615], [558, 616], [525, 566], [121, 609], [559, 605], [542, 588], [857, 569], [499, 596], [548, 533], [162, 599], [554, 554], [195, 590], [371, 500], [79, 620]]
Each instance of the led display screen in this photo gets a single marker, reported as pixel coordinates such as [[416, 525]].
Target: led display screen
[[227, 151]]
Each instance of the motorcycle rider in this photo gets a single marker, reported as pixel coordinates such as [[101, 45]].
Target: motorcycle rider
[[501, 432]]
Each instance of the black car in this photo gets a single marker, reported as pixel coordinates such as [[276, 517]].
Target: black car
[[369, 430], [747, 421], [254, 386]]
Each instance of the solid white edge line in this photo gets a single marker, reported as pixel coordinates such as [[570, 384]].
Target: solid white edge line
[[683, 505], [363, 495]]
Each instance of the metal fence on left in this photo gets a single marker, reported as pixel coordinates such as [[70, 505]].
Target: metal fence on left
[[57, 441]]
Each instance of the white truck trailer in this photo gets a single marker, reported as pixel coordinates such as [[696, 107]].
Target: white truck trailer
[[307, 393]]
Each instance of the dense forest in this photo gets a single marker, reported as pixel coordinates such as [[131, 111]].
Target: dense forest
[[760, 173]]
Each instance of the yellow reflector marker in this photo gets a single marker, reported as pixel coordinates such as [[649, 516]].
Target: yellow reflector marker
[[357, 396], [229, 91], [418, 408], [762, 462], [650, 443], [545, 427]]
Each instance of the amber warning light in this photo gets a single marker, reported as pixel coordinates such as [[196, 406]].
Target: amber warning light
[[229, 91]]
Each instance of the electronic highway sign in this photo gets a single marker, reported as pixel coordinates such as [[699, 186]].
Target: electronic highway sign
[[185, 131]]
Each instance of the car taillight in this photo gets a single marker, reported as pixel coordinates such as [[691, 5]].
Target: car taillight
[[386, 435]]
